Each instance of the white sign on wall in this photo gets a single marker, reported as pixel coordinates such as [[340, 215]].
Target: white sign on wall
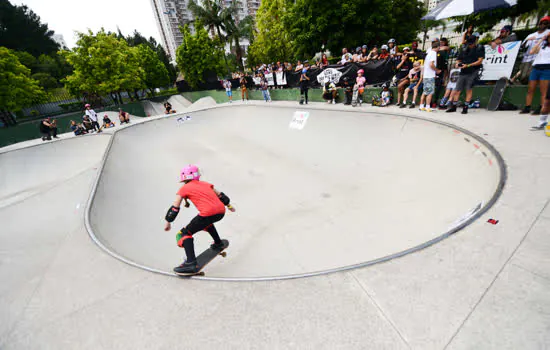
[[269, 78], [281, 78], [499, 61]]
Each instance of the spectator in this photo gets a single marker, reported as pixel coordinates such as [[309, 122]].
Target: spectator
[[430, 72], [329, 92], [385, 97], [107, 123], [229, 93], [124, 117], [505, 36], [469, 61], [451, 85], [393, 49], [244, 90], [168, 108], [323, 63], [360, 85], [304, 86], [48, 129], [348, 91], [442, 64], [288, 66], [299, 67], [78, 129], [541, 72], [364, 53], [373, 54], [527, 61], [416, 54], [265, 90], [415, 78], [357, 55], [402, 76], [346, 56], [532, 41], [93, 117], [87, 122], [384, 54], [467, 35]]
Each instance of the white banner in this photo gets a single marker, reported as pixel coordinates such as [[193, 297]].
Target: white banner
[[329, 75], [281, 78], [499, 61], [269, 78], [257, 80]]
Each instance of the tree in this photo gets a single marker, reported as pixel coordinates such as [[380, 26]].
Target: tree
[[214, 15], [103, 64], [155, 73], [17, 90], [235, 32], [26, 59], [342, 23], [45, 80], [197, 55], [272, 41], [21, 30]]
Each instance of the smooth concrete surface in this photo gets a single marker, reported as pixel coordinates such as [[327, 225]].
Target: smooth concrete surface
[[335, 194], [485, 287]]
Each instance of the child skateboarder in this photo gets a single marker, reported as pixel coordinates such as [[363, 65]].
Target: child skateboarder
[[211, 206]]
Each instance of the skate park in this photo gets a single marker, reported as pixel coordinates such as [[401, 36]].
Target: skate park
[[365, 229]]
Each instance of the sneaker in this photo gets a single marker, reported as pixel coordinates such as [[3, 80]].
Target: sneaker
[[333, 102], [217, 246], [538, 127], [402, 105], [451, 109], [536, 111], [423, 109], [187, 268], [525, 110], [429, 109], [464, 110], [412, 105]]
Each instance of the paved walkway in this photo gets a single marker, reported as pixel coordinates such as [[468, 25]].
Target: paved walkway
[[485, 287]]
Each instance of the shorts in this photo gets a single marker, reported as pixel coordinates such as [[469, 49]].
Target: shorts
[[539, 74], [451, 85], [229, 93], [466, 81], [429, 86], [413, 85]]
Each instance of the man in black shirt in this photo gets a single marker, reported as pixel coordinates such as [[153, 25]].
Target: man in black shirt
[[469, 61], [47, 128]]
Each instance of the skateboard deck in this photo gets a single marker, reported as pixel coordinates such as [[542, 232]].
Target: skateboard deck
[[205, 257], [355, 95], [496, 96]]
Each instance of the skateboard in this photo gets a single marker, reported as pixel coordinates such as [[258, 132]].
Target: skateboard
[[205, 257], [355, 95], [496, 96]]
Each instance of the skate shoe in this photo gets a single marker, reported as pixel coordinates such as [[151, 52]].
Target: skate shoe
[[187, 267]]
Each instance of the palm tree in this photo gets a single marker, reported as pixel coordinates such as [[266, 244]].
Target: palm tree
[[213, 15], [237, 31]]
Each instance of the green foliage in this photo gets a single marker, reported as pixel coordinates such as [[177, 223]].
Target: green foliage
[[273, 41], [45, 80], [342, 23], [17, 90], [21, 30], [197, 55], [236, 31], [155, 73], [102, 64], [70, 107], [26, 59]]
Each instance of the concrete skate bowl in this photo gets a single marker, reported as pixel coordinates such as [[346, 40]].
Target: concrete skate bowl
[[348, 190]]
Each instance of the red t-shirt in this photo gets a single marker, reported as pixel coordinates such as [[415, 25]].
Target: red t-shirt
[[202, 195]]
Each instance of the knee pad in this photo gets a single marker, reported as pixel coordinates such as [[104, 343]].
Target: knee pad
[[181, 237]]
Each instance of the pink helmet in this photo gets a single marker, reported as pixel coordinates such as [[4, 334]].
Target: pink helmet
[[87, 105], [361, 71], [190, 172]]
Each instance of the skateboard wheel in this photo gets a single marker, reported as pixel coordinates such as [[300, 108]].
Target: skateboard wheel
[[224, 254], [200, 274]]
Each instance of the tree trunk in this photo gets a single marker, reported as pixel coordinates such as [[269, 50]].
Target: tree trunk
[[120, 98], [130, 95], [223, 50], [6, 118], [239, 54]]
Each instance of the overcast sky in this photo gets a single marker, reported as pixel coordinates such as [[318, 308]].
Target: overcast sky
[[67, 16]]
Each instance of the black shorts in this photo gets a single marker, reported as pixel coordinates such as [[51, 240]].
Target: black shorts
[[200, 223]]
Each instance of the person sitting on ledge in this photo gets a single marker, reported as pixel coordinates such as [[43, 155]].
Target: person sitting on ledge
[[107, 123], [124, 117], [78, 129], [329, 92]]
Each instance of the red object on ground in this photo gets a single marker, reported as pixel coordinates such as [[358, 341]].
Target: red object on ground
[[492, 221]]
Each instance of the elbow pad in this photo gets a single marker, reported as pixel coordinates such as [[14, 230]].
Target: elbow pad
[[224, 198], [172, 213]]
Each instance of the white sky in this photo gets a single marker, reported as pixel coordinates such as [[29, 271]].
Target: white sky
[[67, 16]]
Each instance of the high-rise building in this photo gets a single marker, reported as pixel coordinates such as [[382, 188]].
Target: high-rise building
[[431, 4], [171, 14]]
